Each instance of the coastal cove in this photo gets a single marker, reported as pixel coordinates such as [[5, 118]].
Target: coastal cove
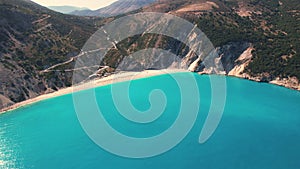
[[150, 84], [131, 76], [258, 123]]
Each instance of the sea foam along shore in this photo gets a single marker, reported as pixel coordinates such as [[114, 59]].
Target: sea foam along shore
[[115, 78]]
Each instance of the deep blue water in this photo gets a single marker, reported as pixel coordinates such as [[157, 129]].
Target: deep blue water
[[260, 129]]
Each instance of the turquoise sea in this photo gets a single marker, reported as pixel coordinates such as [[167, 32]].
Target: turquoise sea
[[260, 129]]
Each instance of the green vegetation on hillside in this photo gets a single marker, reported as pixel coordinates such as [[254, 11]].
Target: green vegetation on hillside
[[275, 34]]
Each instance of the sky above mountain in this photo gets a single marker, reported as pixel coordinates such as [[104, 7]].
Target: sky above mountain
[[91, 4]]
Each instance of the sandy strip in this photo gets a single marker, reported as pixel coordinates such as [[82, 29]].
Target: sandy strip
[[121, 77]]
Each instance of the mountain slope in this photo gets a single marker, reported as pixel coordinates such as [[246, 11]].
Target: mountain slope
[[257, 40], [272, 28], [66, 9], [33, 38], [116, 8]]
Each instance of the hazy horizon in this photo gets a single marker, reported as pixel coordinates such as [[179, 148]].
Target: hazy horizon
[[92, 4]]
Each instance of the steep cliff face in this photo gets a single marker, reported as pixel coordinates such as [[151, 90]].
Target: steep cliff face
[[241, 63], [235, 57], [229, 57]]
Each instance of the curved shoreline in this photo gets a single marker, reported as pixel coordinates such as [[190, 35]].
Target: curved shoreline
[[115, 78]]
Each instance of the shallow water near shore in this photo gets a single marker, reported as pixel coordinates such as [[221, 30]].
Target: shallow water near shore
[[259, 129]]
